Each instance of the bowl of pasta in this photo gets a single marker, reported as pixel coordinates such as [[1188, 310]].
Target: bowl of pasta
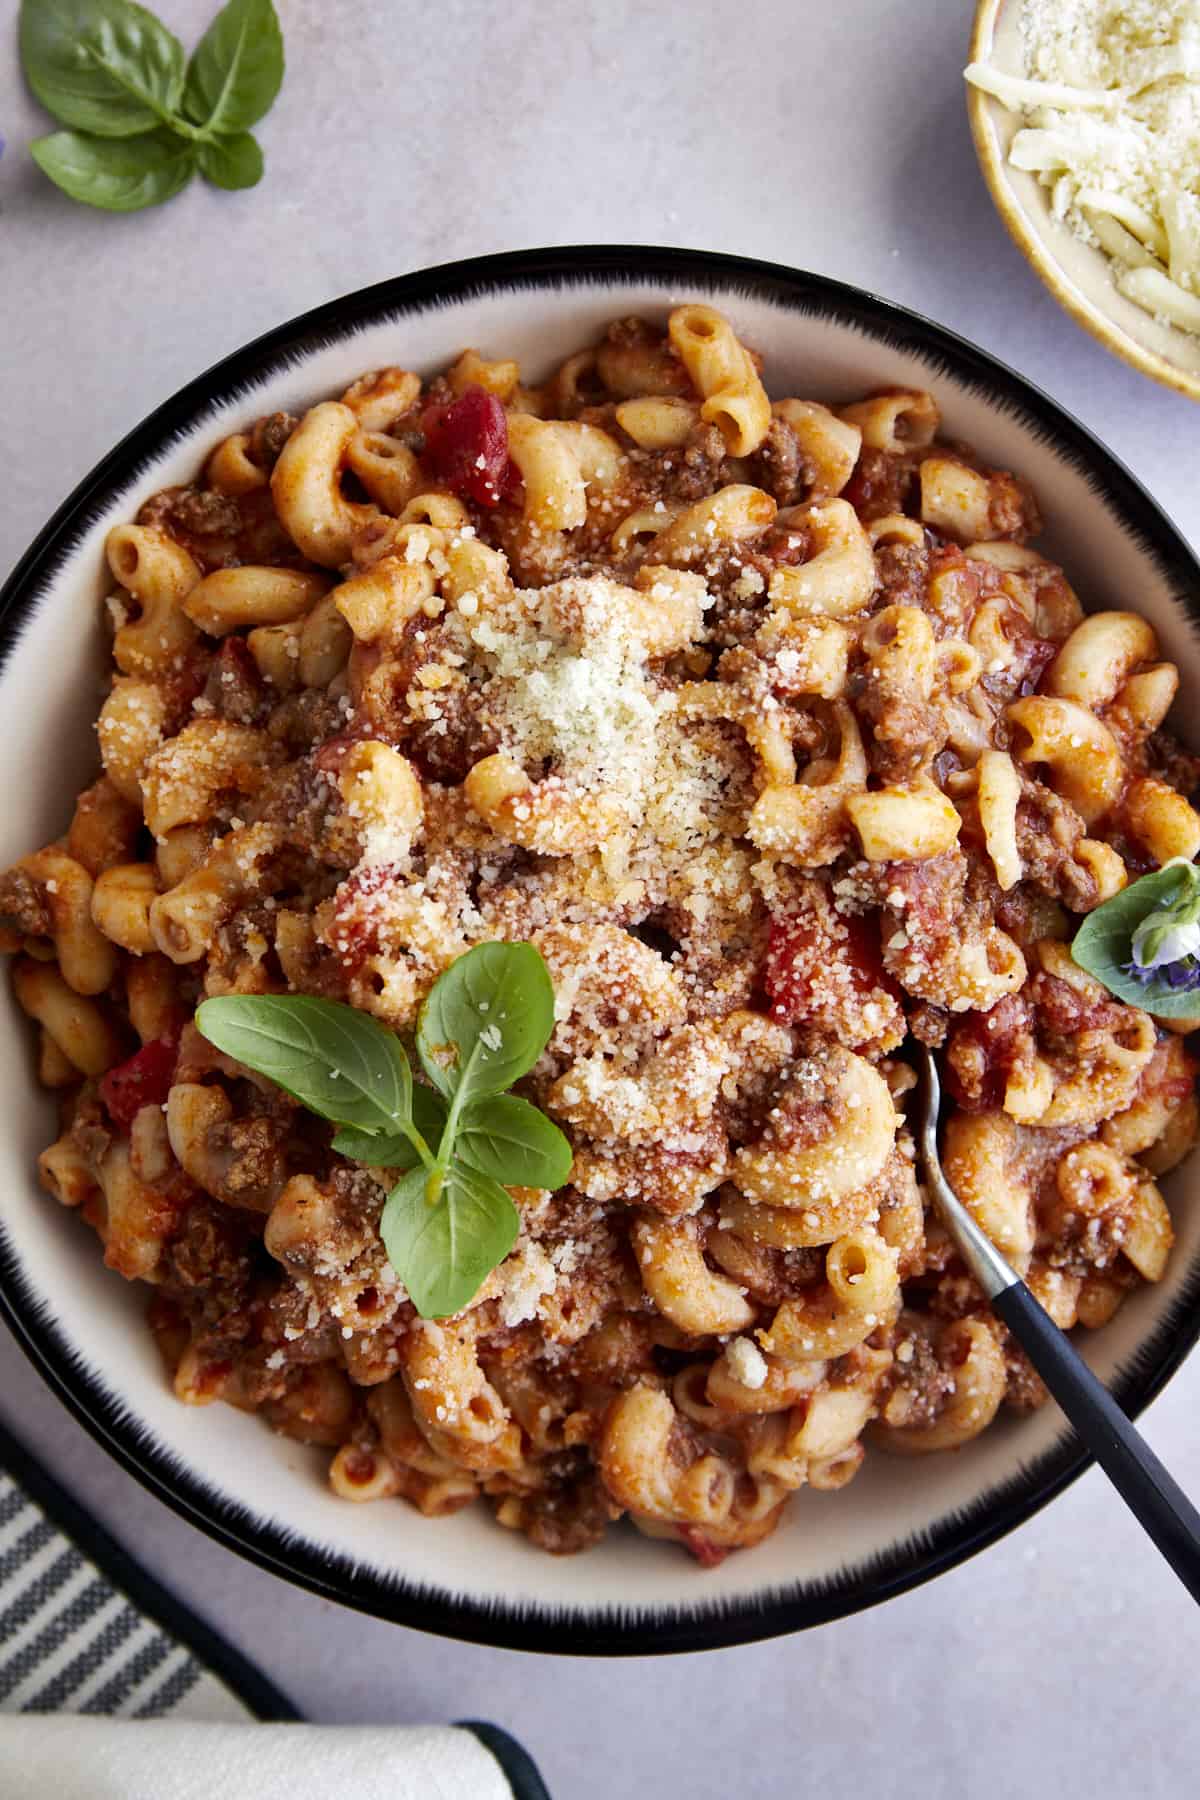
[[1086, 121], [567, 724]]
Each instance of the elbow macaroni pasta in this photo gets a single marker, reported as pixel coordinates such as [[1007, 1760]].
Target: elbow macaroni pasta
[[760, 718]]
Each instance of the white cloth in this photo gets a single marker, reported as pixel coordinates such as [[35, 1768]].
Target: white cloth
[[75, 1758]]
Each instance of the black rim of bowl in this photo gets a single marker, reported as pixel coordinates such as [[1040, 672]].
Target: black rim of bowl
[[627, 1629]]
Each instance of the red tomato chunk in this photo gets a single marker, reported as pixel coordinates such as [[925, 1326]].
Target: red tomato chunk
[[143, 1080], [800, 962], [466, 447], [706, 1553]]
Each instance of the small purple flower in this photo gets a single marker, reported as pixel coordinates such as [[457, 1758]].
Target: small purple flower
[[1183, 977], [1143, 944], [1165, 947]]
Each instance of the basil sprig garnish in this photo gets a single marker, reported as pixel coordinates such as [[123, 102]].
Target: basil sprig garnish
[[448, 1221], [1144, 943], [140, 118]]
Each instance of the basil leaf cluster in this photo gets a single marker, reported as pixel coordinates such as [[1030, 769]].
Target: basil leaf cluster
[[140, 119], [457, 1144]]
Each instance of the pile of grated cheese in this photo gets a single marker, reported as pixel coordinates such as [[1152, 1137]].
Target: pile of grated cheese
[[578, 697], [1111, 99], [561, 680], [565, 681]]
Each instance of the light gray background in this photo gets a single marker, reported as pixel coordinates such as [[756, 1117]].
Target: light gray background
[[1064, 1659]]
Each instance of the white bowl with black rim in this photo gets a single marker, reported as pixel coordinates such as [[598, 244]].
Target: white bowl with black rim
[[901, 1521]]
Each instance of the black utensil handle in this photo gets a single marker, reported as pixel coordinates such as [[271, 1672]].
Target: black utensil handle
[[1128, 1461]]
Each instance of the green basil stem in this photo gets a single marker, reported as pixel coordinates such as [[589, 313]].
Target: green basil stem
[[195, 134], [450, 1128], [420, 1146], [439, 1170]]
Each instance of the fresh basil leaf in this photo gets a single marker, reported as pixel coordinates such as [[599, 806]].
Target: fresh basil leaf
[[116, 174], [232, 162], [391, 1149], [236, 69], [340, 1063], [505, 1137], [486, 1020], [444, 1251], [1103, 945], [104, 66]]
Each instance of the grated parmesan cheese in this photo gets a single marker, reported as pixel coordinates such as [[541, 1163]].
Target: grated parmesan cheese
[[1111, 103], [747, 1363], [525, 1280], [569, 685], [562, 682]]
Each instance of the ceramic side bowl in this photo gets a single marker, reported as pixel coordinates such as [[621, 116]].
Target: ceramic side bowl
[[1079, 275]]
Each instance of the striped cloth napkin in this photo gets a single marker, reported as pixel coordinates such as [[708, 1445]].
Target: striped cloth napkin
[[84, 1630], [74, 1640], [71, 1641]]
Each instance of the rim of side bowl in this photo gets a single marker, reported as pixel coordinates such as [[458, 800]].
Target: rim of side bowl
[[625, 1629]]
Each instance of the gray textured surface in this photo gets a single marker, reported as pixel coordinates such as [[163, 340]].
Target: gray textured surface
[[1062, 1660]]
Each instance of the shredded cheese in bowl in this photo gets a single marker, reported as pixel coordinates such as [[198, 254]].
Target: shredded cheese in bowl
[[1111, 103]]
